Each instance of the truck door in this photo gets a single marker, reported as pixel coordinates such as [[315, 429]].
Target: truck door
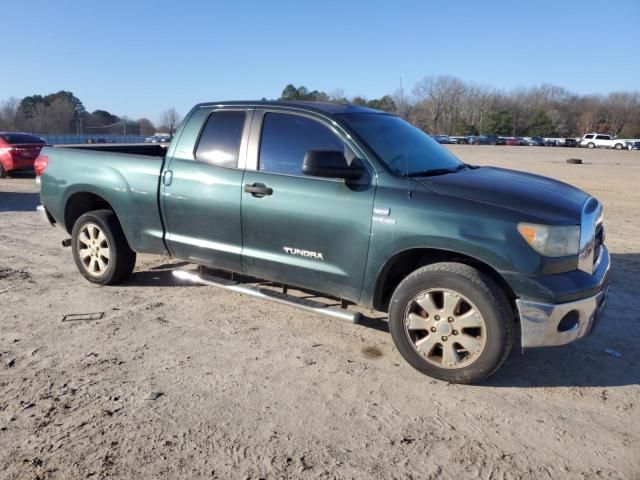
[[202, 187], [305, 231]]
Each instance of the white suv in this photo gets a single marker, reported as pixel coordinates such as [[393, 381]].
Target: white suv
[[598, 140]]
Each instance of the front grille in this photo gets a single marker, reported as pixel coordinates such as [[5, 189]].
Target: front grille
[[597, 244]]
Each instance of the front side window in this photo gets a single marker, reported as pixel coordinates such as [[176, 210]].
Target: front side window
[[588, 136], [286, 139], [220, 140]]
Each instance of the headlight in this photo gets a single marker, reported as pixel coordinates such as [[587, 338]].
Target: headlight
[[551, 241]]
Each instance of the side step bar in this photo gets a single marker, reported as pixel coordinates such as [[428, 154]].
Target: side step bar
[[266, 294]]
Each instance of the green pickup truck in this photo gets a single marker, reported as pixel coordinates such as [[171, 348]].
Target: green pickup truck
[[355, 205]]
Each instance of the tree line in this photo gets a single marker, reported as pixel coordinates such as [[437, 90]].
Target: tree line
[[63, 112], [436, 104], [449, 105]]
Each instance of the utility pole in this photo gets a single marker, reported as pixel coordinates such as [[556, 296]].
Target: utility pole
[[401, 99]]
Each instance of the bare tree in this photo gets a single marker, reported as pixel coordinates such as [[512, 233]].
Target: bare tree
[[9, 114], [60, 113], [170, 119], [146, 127], [441, 98]]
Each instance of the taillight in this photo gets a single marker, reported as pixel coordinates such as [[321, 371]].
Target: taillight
[[41, 163]]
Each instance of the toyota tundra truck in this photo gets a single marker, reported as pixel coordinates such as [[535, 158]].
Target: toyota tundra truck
[[351, 204]]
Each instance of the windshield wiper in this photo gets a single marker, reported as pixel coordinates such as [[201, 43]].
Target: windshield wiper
[[438, 171]]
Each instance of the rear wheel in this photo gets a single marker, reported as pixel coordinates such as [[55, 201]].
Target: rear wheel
[[100, 249], [451, 322], [618, 146]]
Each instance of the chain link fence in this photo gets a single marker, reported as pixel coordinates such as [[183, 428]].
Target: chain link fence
[[67, 139]]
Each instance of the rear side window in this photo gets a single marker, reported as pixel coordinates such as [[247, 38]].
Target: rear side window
[[603, 137], [286, 139], [21, 138], [220, 140]]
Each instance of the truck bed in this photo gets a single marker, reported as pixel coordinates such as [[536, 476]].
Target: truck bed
[[148, 149], [127, 177]]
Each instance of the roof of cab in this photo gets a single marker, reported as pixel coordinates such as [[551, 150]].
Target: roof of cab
[[323, 107]]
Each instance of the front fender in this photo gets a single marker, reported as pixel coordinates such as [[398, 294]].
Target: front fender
[[454, 226]]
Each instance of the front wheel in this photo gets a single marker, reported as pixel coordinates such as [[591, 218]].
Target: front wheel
[[100, 250], [618, 146], [591, 145], [451, 322]]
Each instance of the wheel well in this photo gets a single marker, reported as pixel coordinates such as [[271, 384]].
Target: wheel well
[[402, 264], [81, 203]]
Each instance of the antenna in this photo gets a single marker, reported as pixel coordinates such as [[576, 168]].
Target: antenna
[[404, 143], [401, 99]]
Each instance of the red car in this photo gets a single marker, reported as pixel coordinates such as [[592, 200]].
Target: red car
[[18, 151], [512, 141]]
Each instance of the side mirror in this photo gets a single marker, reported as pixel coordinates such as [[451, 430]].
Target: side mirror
[[330, 164]]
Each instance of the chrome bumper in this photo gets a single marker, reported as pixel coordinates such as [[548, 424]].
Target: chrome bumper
[[546, 324]]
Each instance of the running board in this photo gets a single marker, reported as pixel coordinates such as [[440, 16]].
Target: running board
[[266, 294]]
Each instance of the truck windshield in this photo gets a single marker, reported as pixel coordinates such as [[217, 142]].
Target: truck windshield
[[405, 149]]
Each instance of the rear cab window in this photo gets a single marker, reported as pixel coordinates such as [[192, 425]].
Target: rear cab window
[[219, 142]]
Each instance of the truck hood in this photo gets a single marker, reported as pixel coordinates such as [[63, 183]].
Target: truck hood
[[542, 197]]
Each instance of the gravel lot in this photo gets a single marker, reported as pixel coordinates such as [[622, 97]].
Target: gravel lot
[[192, 382]]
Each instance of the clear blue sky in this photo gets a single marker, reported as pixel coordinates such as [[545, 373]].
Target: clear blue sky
[[137, 57]]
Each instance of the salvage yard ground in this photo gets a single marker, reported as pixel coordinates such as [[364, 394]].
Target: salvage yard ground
[[171, 381]]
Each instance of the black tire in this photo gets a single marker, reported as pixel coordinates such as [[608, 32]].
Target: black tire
[[122, 259], [3, 172], [486, 295], [591, 145], [618, 146]]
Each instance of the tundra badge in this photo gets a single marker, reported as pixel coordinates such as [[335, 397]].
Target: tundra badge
[[303, 253]]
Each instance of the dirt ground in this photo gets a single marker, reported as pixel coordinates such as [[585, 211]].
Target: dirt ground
[[192, 382]]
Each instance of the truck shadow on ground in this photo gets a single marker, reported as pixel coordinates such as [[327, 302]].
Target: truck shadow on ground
[[155, 277], [586, 363], [19, 201]]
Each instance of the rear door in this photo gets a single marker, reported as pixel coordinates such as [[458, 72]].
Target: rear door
[[202, 187], [603, 141], [305, 231]]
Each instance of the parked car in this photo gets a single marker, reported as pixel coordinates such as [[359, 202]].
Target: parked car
[[444, 139], [599, 140], [551, 142], [536, 141], [158, 139], [490, 140], [18, 151], [512, 141], [271, 190], [635, 145], [570, 142]]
